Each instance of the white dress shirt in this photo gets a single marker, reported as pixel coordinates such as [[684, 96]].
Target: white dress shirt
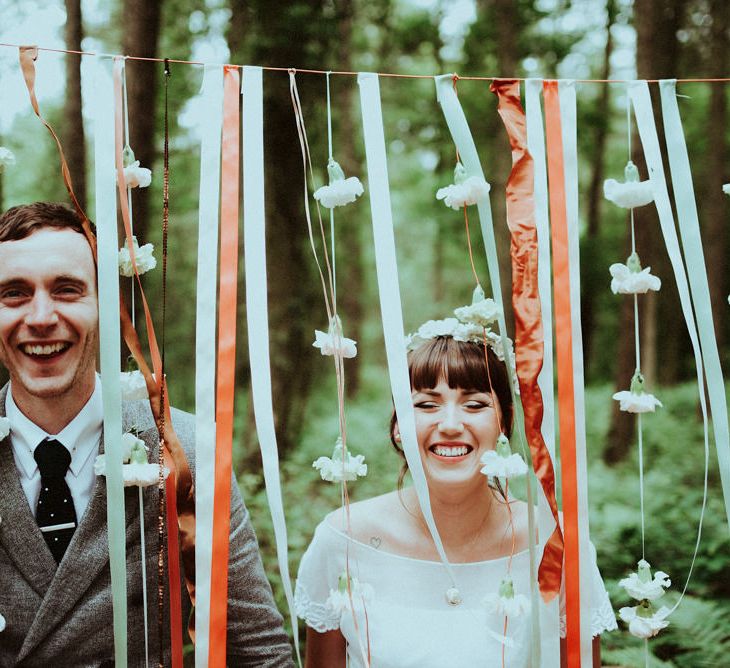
[[81, 437]]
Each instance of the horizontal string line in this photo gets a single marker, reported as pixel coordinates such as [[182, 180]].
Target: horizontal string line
[[346, 73]]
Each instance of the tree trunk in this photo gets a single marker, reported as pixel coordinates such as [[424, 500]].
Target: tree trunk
[[74, 145], [715, 201], [593, 272], [657, 23], [141, 31]]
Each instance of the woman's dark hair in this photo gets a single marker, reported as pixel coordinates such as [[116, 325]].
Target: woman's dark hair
[[462, 364]]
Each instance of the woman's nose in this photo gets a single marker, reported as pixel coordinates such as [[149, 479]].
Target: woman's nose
[[450, 420]]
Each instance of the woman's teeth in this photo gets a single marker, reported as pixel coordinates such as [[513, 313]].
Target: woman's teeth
[[450, 451]]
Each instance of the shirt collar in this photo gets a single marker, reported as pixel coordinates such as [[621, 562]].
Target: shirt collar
[[81, 436]]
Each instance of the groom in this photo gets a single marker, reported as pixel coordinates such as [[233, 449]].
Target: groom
[[55, 588]]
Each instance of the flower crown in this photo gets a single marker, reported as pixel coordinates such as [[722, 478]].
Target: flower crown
[[473, 324]]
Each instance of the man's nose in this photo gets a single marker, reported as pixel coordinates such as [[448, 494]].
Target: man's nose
[[42, 311]]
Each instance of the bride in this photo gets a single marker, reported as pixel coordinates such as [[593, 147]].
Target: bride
[[371, 587]]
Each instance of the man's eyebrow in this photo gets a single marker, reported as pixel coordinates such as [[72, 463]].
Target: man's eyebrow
[[14, 280], [69, 278]]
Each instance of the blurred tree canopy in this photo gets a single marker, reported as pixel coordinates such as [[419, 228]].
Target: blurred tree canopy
[[583, 39]]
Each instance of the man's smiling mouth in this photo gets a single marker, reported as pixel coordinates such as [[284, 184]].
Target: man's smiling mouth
[[44, 349]]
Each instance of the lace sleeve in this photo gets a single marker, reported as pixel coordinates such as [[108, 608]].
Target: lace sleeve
[[602, 615], [318, 574]]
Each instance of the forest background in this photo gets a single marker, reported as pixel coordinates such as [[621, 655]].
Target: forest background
[[584, 39]]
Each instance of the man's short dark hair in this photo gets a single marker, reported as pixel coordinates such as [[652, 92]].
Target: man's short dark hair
[[21, 221]]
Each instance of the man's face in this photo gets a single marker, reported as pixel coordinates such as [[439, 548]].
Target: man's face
[[48, 315]]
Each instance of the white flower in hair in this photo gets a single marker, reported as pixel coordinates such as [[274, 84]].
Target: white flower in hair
[[341, 466], [133, 385], [464, 191], [136, 470], [641, 585], [506, 603], [483, 311], [340, 190], [636, 400], [502, 462], [143, 256], [339, 599], [632, 192], [643, 620], [134, 175], [4, 427], [631, 279], [7, 158], [333, 342]]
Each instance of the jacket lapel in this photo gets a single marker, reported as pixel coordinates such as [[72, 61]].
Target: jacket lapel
[[87, 555]]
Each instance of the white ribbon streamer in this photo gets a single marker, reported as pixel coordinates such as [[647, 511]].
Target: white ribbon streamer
[[254, 231], [390, 304], [568, 125], [109, 342], [460, 133], [689, 228], [210, 123], [550, 613], [640, 98]]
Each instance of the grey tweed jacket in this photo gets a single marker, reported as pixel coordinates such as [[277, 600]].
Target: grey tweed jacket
[[62, 616]]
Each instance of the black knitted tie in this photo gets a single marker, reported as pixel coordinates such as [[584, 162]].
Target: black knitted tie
[[55, 512]]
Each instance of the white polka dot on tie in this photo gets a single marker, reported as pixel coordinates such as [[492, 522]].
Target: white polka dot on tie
[[65, 500], [46, 489], [51, 514], [56, 539]]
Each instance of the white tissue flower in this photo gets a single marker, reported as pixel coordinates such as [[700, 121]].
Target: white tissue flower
[[628, 195], [340, 190], [133, 385], [141, 475], [136, 176], [333, 469], [506, 603], [4, 427], [631, 402], [642, 621], [627, 282], [459, 195], [482, 311], [339, 599], [143, 255], [7, 158], [641, 585], [328, 344]]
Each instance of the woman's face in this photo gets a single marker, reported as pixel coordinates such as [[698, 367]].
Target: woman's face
[[455, 427]]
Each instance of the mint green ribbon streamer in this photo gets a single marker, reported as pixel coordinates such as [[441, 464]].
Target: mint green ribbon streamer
[[640, 98], [109, 343], [459, 128], [211, 120], [389, 292], [254, 231], [689, 229]]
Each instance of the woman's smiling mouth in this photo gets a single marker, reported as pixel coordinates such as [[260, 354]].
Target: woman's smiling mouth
[[450, 451]]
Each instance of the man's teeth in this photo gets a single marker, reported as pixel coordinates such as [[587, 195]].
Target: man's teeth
[[444, 451], [45, 349]]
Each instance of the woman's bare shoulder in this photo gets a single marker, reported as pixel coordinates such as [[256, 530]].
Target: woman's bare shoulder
[[371, 518]]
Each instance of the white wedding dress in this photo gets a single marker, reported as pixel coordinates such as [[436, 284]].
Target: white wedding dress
[[406, 621]]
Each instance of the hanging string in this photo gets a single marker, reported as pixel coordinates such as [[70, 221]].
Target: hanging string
[[332, 210], [129, 190], [396, 75]]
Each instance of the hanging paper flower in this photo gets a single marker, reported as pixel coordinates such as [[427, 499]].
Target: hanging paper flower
[[7, 158], [333, 342], [483, 311], [632, 192], [505, 603], [133, 385], [631, 279], [641, 585], [340, 190], [136, 470], [333, 469], [339, 599], [4, 427], [726, 188], [643, 621], [636, 400], [502, 462], [143, 256], [134, 175], [464, 191]]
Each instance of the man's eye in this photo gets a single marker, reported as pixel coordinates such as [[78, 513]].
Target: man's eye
[[12, 294]]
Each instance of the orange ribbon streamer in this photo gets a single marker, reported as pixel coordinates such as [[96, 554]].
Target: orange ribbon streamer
[[529, 341], [564, 349], [226, 367]]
